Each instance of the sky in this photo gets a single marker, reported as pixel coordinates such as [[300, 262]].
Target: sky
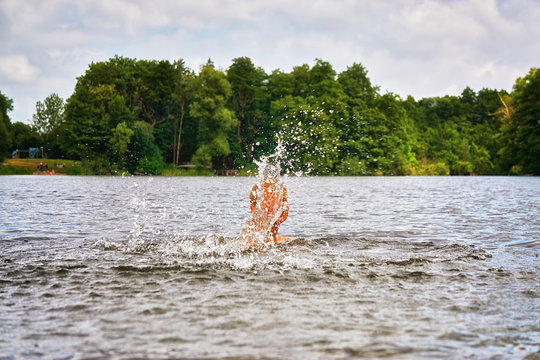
[[422, 48]]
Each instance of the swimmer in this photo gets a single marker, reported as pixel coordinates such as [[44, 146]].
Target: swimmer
[[269, 207]]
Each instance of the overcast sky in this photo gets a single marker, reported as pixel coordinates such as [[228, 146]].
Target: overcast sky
[[409, 47]]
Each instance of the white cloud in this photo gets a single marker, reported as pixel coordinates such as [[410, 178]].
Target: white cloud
[[418, 47], [70, 56], [17, 68]]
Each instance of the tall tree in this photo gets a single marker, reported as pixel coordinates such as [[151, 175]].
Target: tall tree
[[248, 102], [6, 105], [211, 92], [280, 84], [520, 141], [322, 80], [310, 138], [357, 86], [144, 156], [25, 136], [182, 78], [155, 89], [243, 77], [48, 120], [302, 81], [120, 140], [49, 114]]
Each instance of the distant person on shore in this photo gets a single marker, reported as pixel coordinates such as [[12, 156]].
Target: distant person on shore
[[269, 208]]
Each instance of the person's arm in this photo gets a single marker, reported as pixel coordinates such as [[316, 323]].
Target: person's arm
[[285, 206], [253, 197]]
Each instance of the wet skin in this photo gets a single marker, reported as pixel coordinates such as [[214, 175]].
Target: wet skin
[[270, 202]]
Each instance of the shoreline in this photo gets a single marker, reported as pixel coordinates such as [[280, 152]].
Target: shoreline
[[73, 168], [44, 173]]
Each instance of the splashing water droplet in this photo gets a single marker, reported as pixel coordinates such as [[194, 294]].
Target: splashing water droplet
[[269, 204]]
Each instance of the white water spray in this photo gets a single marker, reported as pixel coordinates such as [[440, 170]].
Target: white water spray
[[269, 205]]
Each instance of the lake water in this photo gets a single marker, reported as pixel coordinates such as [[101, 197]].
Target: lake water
[[394, 267]]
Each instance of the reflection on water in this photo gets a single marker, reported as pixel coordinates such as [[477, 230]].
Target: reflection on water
[[381, 267]]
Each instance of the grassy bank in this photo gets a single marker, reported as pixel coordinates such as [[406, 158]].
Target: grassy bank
[[170, 171], [29, 166], [72, 167], [15, 170]]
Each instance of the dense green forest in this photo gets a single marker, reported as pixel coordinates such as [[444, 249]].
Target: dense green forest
[[146, 116]]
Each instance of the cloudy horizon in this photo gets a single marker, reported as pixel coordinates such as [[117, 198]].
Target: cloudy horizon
[[409, 47]]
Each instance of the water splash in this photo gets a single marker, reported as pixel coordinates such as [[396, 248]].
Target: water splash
[[151, 222], [269, 204], [210, 252], [269, 195], [285, 155]]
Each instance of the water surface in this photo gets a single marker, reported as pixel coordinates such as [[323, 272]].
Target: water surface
[[395, 267]]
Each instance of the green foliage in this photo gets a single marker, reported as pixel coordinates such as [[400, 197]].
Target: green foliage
[[458, 131], [520, 132], [357, 86], [143, 115], [49, 114], [151, 164], [248, 102], [428, 167], [15, 170], [183, 127], [78, 170], [97, 165], [25, 136], [311, 140], [6, 105], [211, 92], [352, 165], [119, 143], [170, 171], [48, 121], [144, 155]]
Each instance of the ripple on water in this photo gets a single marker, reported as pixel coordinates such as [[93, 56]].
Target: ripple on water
[[375, 275], [531, 244]]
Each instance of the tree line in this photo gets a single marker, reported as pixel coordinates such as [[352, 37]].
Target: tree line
[[147, 115]]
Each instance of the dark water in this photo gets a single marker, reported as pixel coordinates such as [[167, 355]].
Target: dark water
[[405, 268]]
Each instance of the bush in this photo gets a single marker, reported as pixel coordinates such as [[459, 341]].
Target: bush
[[76, 170], [15, 170], [248, 170], [187, 172], [352, 166], [151, 165], [428, 167], [99, 165], [464, 168], [516, 170]]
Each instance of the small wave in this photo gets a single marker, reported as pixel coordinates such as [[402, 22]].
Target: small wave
[[415, 275], [458, 336], [147, 268], [457, 251], [70, 308], [30, 238], [173, 339], [206, 252], [408, 262], [154, 311], [530, 244]]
